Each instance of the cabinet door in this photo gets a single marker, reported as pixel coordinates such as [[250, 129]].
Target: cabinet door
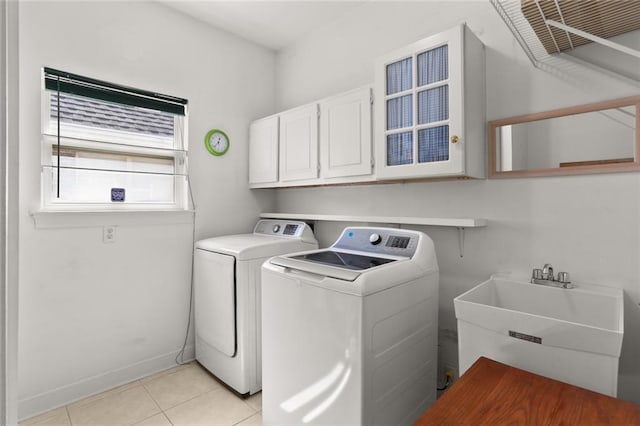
[[299, 144], [345, 134], [419, 115], [263, 151]]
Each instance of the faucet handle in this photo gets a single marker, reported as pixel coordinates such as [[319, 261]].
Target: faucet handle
[[536, 274], [564, 278]]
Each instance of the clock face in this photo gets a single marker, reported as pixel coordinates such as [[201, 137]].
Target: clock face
[[217, 142]]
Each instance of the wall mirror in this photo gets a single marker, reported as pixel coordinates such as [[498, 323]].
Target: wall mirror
[[602, 137]]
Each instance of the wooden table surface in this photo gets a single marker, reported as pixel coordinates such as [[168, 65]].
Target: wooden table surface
[[491, 393]]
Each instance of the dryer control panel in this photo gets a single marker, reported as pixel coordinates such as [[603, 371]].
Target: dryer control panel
[[389, 241], [281, 228]]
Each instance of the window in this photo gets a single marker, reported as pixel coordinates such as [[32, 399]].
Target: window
[[106, 146]]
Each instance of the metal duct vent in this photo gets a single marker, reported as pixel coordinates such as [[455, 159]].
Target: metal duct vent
[[604, 19]]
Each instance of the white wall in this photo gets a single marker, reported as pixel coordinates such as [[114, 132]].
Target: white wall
[[9, 205], [583, 137], [94, 315], [587, 225]]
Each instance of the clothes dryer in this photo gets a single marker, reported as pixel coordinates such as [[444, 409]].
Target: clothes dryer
[[227, 293], [350, 332]]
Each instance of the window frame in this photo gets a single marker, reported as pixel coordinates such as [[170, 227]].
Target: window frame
[[116, 142]]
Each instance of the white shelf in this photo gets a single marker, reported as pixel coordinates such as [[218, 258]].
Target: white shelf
[[426, 221]]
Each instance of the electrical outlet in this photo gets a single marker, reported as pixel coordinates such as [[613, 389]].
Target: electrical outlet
[[109, 234]]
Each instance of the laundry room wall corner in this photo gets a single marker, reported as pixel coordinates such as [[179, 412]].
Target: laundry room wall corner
[[96, 315]]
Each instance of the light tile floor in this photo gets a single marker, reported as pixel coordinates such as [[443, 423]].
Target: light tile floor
[[182, 396]]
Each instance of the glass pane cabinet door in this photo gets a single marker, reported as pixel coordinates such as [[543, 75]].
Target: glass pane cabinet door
[[400, 149], [433, 144], [399, 108], [399, 76], [433, 105], [433, 65], [430, 108], [400, 112], [417, 109]]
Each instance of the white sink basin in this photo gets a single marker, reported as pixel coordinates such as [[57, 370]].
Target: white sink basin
[[573, 335]]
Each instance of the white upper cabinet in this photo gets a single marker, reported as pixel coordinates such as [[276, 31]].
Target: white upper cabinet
[[430, 108], [299, 144], [345, 134], [429, 122], [263, 151], [327, 142]]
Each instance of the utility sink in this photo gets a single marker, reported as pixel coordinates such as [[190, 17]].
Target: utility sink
[[572, 335]]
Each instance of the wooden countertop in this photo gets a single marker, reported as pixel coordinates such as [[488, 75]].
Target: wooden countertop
[[491, 393]]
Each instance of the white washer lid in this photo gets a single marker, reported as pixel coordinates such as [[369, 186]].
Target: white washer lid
[[252, 246]]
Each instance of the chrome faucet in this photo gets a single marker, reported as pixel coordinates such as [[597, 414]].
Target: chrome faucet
[[547, 272], [545, 276]]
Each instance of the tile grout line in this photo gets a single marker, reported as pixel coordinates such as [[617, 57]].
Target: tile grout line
[[164, 373], [94, 398], [152, 399], [66, 409], [153, 415], [251, 407], [246, 418], [133, 385], [167, 417], [164, 411], [190, 399], [142, 383]]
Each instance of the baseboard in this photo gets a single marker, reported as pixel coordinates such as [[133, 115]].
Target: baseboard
[[64, 395]]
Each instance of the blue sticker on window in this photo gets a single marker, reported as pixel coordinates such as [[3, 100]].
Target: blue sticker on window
[[117, 194]]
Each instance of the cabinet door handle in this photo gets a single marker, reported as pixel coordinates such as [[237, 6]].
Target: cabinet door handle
[[454, 139]]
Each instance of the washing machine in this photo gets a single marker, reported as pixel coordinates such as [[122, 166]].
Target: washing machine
[[350, 332], [227, 298]]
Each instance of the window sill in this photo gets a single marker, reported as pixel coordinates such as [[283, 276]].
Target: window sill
[[46, 219]]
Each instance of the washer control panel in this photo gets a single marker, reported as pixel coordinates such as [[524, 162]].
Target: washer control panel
[[390, 241]]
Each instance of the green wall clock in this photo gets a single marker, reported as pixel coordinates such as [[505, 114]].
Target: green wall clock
[[217, 142]]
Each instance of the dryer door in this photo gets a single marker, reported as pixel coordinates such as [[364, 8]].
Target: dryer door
[[215, 300]]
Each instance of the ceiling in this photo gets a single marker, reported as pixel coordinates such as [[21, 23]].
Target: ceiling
[[272, 24]]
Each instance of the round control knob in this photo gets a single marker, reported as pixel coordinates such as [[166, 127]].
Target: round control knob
[[276, 228], [375, 239]]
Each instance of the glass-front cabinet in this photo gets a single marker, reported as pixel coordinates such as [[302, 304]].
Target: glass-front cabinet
[[430, 108], [429, 122]]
